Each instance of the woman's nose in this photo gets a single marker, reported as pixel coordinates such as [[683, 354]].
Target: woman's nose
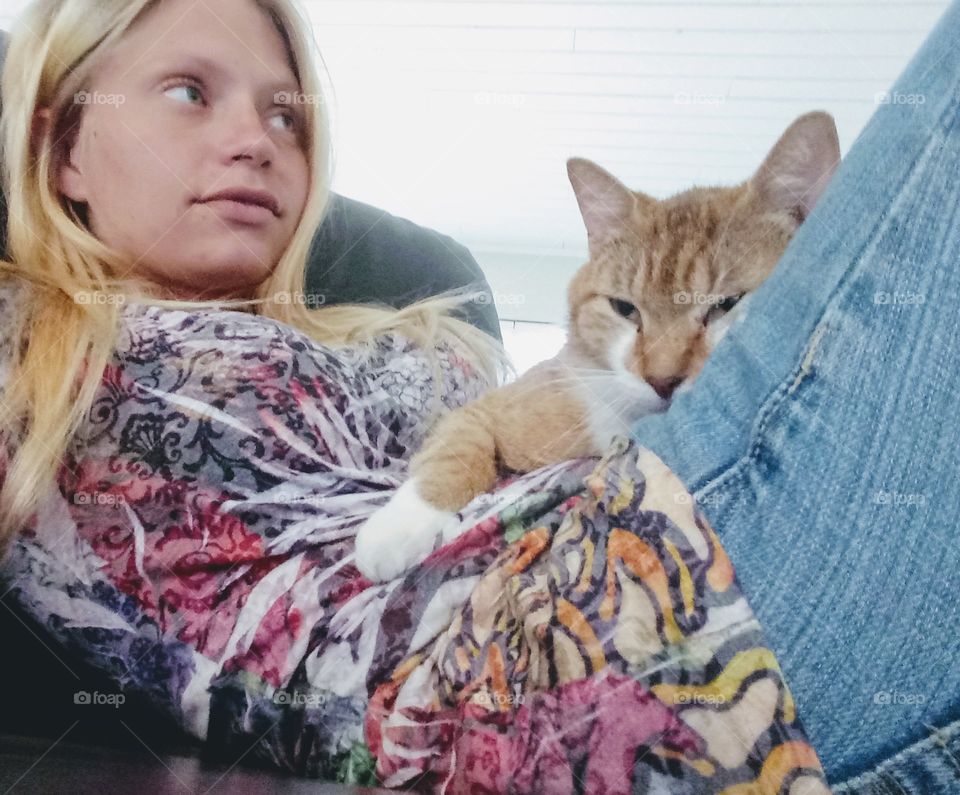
[[246, 136]]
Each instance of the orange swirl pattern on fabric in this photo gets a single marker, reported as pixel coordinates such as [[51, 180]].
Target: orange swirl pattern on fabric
[[610, 639]]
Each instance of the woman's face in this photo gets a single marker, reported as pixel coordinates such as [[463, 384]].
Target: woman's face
[[161, 132]]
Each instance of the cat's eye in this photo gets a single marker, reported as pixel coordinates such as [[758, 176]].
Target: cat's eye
[[625, 309], [722, 307]]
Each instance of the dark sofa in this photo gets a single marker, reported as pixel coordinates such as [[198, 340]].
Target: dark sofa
[[50, 744]]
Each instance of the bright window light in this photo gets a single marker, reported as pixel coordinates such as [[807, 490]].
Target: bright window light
[[531, 343]]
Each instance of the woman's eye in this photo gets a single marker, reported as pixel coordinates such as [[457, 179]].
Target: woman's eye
[[185, 87], [722, 307], [292, 117], [624, 309], [193, 89]]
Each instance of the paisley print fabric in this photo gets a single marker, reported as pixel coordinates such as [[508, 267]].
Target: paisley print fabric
[[584, 633]]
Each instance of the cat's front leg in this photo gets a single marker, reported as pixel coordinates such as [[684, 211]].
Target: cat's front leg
[[458, 461], [399, 535]]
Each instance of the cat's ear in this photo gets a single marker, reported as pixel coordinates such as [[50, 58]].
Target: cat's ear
[[798, 169], [606, 204]]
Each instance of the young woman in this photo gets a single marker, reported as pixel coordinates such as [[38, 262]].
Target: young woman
[[181, 425]]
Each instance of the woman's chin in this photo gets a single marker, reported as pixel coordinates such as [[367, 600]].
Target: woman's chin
[[213, 283]]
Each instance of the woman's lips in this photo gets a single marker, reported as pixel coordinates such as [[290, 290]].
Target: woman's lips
[[241, 212]]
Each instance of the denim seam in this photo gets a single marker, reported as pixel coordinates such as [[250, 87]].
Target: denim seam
[[883, 773], [803, 369], [893, 782], [767, 414]]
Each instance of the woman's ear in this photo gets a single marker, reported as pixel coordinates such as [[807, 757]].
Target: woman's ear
[[69, 179]]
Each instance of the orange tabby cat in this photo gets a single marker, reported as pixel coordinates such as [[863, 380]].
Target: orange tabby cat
[[644, 313]]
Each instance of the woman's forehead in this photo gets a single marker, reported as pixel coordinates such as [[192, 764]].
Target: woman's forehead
[[216, 34]]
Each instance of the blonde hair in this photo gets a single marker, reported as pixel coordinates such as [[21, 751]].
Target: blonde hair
[[60, 345]]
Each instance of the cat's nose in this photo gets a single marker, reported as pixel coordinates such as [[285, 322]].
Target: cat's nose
[[664, 386]]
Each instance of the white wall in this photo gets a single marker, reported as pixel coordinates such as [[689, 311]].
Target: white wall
[[9, 9]]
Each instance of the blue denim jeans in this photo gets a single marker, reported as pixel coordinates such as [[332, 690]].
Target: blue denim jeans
[[822, 441]]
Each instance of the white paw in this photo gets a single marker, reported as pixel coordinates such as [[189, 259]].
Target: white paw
[[399, 535]]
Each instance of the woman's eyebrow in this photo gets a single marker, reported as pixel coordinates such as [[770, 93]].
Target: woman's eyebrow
[[203, 63]]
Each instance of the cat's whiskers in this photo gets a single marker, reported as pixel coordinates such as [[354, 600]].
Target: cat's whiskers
[[590, 381], [573, 376], [590, 372]]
